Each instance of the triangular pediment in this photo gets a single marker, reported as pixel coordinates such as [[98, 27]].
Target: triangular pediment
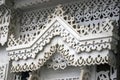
[[89, 44], [58, 23], [57, 27]]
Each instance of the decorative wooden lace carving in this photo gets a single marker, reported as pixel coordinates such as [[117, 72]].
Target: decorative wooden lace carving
[[79, 43], [47, 55], [4, 23], [85, 19], [83, 35], [71, 59]]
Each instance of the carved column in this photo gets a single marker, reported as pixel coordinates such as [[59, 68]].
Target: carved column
[[85, 73]]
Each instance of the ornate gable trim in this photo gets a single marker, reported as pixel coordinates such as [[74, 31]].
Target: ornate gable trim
[[40, 62], [58, 27], [56, 20], [102, 38], [71, 58]]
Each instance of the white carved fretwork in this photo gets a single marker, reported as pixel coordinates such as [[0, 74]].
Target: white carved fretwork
[[68, 54], [3, 72], [32, 22], [4, 24], [76, 14], [40, 62], [79, 43], [68, 35], [84, 30]]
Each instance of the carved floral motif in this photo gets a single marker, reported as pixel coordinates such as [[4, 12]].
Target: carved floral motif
[[57, 61]]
